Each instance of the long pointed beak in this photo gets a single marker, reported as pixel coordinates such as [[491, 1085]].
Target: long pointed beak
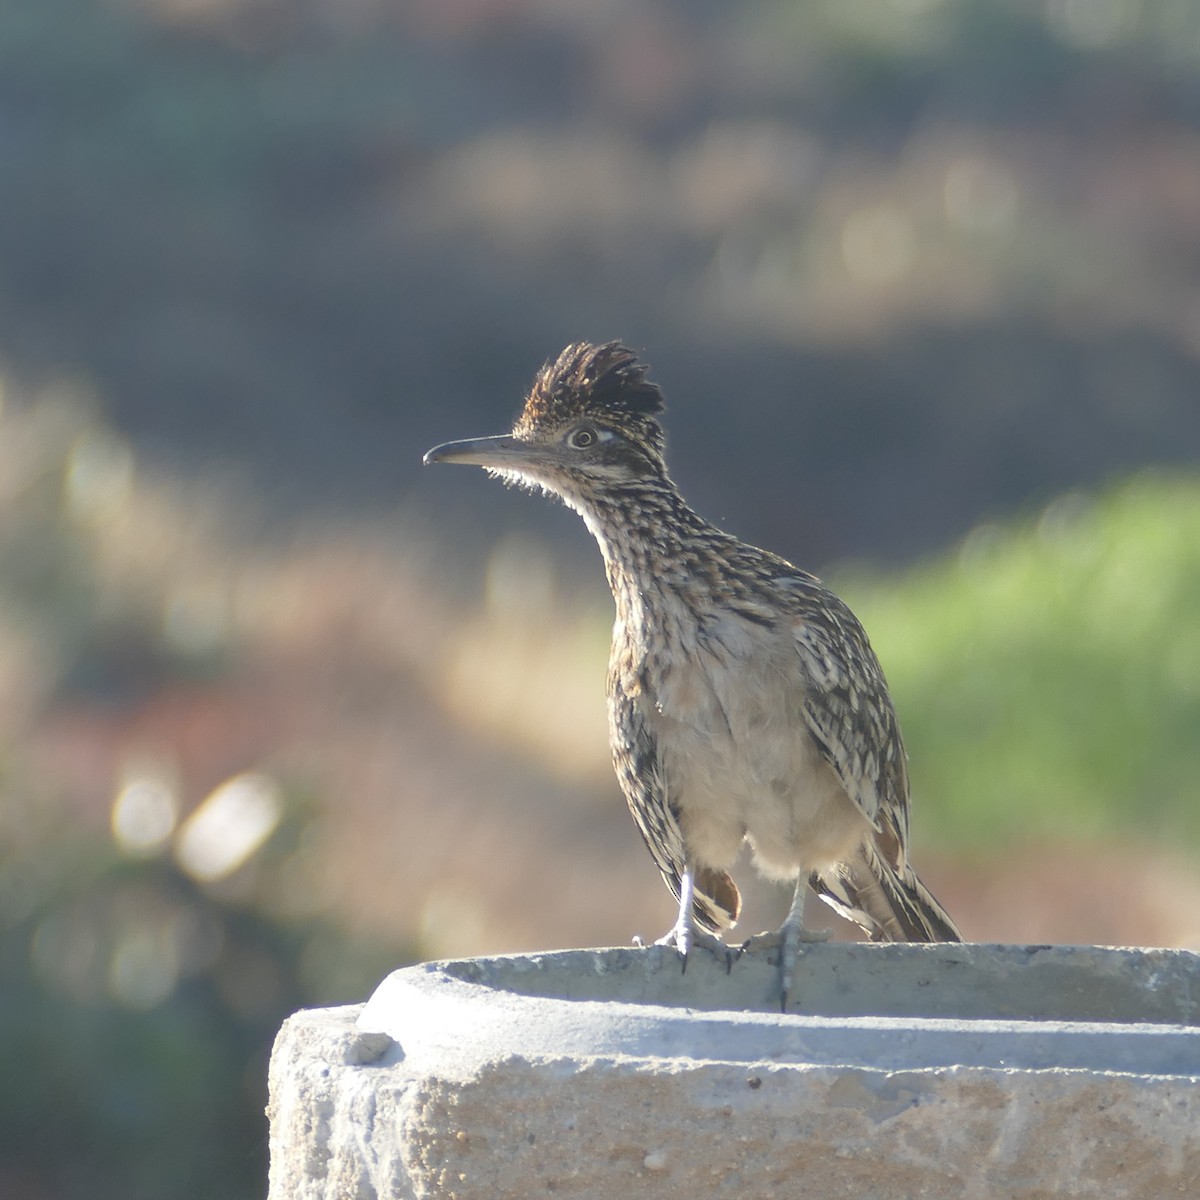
[[502, 451]]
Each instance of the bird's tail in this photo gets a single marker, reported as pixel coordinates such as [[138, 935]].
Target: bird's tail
[[718, 903], [891, 905]]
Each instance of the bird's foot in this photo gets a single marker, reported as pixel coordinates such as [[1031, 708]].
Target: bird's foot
[[787, 939], [773, 939], [685, 937]]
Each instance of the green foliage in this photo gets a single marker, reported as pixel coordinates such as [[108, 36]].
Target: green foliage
[[1048, 673]]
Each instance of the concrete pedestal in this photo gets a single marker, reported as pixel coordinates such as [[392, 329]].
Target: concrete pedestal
[[986, 1072]]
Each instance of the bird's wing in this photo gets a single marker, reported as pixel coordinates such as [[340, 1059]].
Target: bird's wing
[[642, 779], [849, 712]]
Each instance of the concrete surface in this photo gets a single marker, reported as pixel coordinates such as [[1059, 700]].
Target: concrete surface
[[982, 1072]]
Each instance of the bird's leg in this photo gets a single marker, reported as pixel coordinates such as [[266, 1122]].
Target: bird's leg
[[792, 935], [683, 935], [789, 937]]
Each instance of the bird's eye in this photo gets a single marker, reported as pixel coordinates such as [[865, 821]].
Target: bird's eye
[[583, 437]]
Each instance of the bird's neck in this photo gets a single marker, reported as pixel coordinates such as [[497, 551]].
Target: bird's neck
[[653, 542]]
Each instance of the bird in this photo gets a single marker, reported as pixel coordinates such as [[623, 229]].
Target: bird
[[745, 703]]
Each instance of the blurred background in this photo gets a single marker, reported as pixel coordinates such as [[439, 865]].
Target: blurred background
[[279, 710]]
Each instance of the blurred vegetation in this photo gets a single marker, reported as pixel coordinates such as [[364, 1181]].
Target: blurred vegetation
[[277, 712], [1049, 674], [304, 241], [151, 939], [137, 1012]]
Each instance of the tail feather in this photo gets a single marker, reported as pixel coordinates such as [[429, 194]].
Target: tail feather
[[718, 903], [892, 906]]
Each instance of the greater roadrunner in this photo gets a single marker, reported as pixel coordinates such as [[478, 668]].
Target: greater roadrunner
[[744, 700]]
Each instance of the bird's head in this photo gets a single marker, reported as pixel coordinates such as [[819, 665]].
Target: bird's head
[[589, 425]]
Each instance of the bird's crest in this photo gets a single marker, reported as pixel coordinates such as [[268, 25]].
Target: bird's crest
[[606, 383]]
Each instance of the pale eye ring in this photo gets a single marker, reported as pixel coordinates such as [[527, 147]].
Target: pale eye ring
[[585, 436]]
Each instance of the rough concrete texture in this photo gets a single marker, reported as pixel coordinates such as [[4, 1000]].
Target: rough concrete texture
[[913, 1071]]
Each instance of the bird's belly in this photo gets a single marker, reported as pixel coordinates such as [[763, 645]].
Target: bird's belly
[[739, 764]]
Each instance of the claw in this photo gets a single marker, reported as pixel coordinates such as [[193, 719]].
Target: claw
[[792, 937], [684, 936], [768, 940], [678, 938], [685, 943], [787, 939]]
